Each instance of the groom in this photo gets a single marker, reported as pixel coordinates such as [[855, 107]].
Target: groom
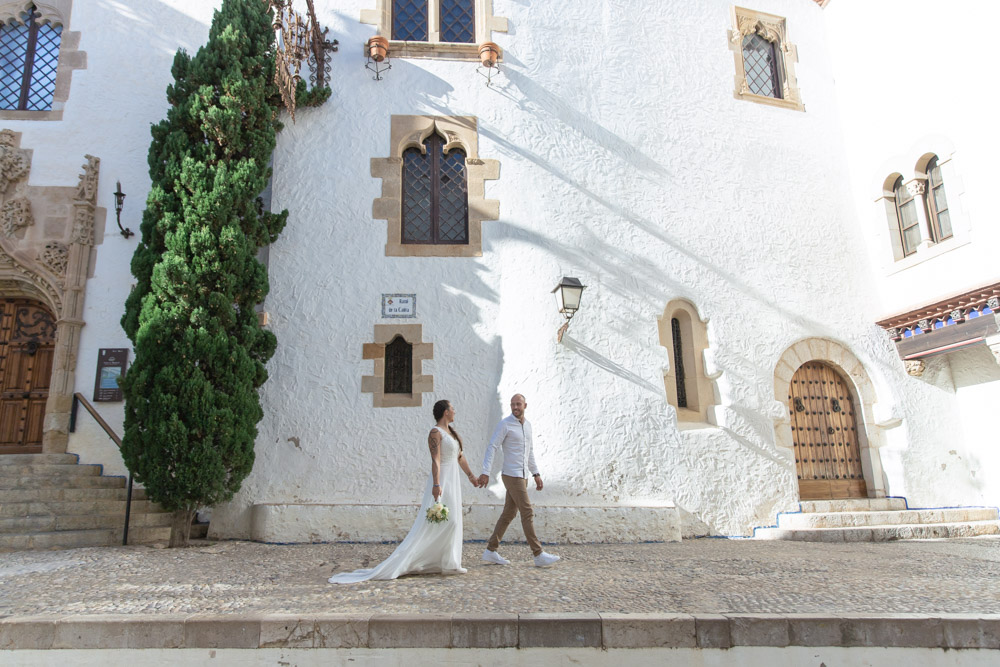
[[513, 436]]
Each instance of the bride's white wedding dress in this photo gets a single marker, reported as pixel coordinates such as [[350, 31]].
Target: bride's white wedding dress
[[429, 547]]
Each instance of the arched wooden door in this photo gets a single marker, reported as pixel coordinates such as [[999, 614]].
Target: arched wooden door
[[27, 341], [825, 435]]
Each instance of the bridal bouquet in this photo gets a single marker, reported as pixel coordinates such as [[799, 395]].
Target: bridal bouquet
[[437, 513]]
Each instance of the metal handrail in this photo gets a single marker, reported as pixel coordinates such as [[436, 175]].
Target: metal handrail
[[78, 398]]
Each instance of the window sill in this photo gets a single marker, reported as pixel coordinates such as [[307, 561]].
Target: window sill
[[770, 101], [434, 51], [925, 253], [15, 114]]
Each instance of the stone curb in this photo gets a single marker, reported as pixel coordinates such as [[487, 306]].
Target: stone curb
[[596, 630]]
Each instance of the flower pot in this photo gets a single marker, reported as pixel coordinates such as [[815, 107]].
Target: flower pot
[[489, 54], [378, 48]]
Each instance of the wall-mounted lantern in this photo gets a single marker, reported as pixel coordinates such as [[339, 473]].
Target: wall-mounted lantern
[[568, 293], [119, 204], [489, 59], [377, 53]]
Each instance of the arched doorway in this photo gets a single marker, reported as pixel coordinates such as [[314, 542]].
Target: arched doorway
[[27, 344], [825, 434]]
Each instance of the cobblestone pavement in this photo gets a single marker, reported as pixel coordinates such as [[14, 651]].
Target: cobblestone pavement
[[695, 576]]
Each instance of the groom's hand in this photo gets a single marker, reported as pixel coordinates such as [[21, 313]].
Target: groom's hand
[[538, 482], [483, 481]]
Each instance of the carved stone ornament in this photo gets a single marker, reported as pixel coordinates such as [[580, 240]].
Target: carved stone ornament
[[914, 367], [925, 325], [893, 333], [995, 349], [994, 303], [749, 25], [83, 225], [55, 256], [916, 187], [14, 215], [86, 190], [14, 163], [957, 315]]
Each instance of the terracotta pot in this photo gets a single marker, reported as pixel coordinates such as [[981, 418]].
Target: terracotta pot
[[378, 48], [489, 54]]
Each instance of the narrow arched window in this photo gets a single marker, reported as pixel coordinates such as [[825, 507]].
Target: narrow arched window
[[906, 217], [435, 194], [760, 63], [398, 367], [29, 54], [936, 203], [458, 21], [675, 333]]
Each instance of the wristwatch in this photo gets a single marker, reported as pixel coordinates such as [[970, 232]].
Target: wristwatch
[[537, 474]]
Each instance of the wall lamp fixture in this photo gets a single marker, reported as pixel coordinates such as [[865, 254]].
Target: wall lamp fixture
[[568, 293], [119, 204]]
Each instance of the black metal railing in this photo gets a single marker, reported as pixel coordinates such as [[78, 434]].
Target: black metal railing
[[79, 399]]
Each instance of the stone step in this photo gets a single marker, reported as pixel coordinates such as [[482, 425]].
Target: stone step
[[888, 533], [62, 482], [853, 505], [53, 493], [46, 469], [904, 517], [42, 524], [69, 539], [68, 507], [35, 459]]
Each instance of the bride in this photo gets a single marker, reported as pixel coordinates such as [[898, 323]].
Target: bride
[[430, 547]]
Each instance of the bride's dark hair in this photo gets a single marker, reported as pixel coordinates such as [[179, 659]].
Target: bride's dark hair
[[439, 409]]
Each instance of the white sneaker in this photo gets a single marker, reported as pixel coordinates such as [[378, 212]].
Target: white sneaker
[[544, 560], [494, 557]]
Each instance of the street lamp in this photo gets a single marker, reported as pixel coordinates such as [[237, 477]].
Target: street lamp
[[568, 293], [119, 204]]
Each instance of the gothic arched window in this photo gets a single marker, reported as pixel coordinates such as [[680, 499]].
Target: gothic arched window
[[760, 65], [435, 194], [29, 55], [398, 367]]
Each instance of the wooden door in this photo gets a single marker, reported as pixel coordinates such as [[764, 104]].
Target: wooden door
[[825, 435], [27, 342]]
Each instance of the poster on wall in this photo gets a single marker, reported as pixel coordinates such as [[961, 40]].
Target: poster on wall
[[399, 305], [111, 365]]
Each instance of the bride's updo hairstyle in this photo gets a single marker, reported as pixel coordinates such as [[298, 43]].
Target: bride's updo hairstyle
[[439, 409]]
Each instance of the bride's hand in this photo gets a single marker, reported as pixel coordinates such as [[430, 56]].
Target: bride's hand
[[473, 480], [436, 491]]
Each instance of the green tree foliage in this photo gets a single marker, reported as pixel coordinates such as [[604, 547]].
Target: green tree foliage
[[192, 405]]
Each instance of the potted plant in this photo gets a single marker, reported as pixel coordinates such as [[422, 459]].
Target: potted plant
[[378, 48], [489, 54]]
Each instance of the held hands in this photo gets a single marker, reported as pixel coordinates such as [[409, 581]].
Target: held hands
[[483, 481], [473, 480]]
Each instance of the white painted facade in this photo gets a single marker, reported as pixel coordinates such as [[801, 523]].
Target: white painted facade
[[625, 161]]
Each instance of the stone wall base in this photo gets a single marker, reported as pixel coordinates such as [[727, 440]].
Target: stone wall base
[[287, 523]]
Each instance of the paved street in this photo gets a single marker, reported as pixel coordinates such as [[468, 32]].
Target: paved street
[[695, 576]]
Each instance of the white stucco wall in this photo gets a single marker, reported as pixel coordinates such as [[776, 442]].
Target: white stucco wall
[[643, 177]]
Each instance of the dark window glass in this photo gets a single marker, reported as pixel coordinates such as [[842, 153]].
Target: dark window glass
[[398, 367], [906, 215], [761, 66], [409, 20], [458, 21], [29, 54], [937, 203], [435, 195], [675, 332]]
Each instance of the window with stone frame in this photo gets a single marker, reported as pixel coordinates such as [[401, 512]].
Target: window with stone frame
[[907, 221], [435, 194], [689, 388], [38, 54], [29, 55], [398, 366], [397, 353], [441, 29], [936, 203], [765, 59]]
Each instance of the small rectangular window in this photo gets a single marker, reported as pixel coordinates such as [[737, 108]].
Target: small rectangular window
[[29, 56], [409, 20]]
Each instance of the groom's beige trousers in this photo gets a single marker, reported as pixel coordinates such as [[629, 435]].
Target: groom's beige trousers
[[517, 501]]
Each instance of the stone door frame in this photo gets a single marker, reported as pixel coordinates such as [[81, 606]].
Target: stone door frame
[[871, 436]]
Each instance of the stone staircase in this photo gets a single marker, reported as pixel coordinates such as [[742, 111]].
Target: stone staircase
[[878, 520], [51, 501]]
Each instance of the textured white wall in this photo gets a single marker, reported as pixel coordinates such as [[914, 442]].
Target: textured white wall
[[643, 177]]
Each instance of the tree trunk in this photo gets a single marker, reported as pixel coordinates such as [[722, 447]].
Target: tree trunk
[[180, 528]]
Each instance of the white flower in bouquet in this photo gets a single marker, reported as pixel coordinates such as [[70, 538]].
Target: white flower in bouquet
[[437, 513]]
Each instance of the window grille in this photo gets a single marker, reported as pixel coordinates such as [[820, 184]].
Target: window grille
[[435, 195], [398, 367], [761, 66], [409, 20], [458, 21], [29, 56]]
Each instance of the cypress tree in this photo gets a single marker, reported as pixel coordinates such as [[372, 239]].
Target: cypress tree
[[192, 405]]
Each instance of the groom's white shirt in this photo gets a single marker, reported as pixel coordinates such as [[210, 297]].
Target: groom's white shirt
[[518, 448]]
